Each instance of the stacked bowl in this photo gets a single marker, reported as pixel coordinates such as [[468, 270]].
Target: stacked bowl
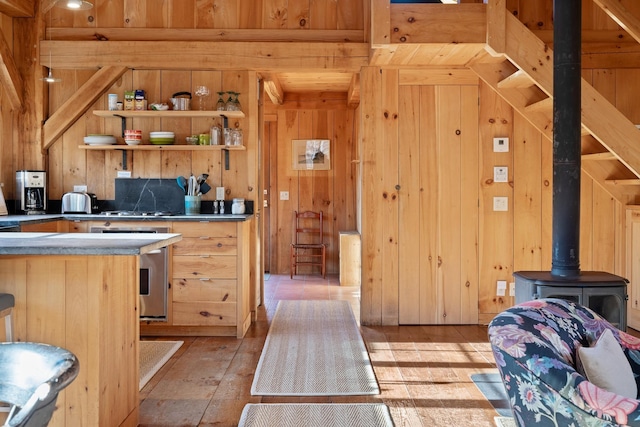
[[161, 138], [132, 136]]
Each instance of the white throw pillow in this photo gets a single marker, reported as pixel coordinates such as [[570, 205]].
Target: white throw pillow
[[606, 366]]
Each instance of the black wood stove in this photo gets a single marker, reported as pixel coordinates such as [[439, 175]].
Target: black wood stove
[[604, 293]]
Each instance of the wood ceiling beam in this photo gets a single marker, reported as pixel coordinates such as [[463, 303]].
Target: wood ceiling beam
[[621, 16], [79, 102], [273, 88], [18, 8], [174, 55], [203, 34], [10, 78]]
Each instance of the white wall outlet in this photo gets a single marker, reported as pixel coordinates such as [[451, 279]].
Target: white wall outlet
[[512, 289], [219, 193], [80, 188], [501, 288], [500, 204], [501, 145], [124, 174], [284, 195], [500, 174]]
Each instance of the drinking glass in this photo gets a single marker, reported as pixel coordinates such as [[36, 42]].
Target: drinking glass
[[229, 104], [220, 105], [236, 103], [202, 92]]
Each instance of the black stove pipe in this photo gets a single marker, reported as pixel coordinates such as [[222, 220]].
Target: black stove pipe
[[567, 31]]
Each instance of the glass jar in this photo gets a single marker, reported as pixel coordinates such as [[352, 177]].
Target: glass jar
[[215, 135], [237, 207]]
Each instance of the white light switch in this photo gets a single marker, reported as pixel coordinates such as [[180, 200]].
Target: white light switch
[[80, 188], [500, 145], [501, 204], [500, 174], [501, 288], [284, 195], [512, 289], [124, 174]]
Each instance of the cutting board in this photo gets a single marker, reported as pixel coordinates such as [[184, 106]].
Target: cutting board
[[3, 205]]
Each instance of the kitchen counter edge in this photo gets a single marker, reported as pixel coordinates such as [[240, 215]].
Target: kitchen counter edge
[[17, 220], [83, 243]]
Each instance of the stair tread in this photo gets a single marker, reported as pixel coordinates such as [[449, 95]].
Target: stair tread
[[544, 105], [519, 79], [607, 155]]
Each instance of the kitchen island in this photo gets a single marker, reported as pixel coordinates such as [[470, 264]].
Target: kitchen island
[[80, 291]]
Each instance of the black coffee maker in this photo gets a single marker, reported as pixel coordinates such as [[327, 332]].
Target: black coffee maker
[[31, 190]]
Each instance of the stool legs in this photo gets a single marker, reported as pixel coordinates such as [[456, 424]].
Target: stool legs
[[6, 313]]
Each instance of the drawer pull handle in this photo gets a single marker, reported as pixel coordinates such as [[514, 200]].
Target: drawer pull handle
[[204, 237], [204, 256], [219, 245], [207, 314], [224, 298], [205, 279]]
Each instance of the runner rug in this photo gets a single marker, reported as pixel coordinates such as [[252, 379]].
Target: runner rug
[[315, 415], [153, 355], [314, 348]]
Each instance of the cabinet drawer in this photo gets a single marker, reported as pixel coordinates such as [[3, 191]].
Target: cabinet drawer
[[210, 290], [206, 246], [204, 313], [203, 266], [211, 229]]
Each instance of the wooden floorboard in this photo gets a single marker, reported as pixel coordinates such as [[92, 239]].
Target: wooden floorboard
[[423, 371]]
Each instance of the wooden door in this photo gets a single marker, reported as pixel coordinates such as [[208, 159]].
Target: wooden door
[[633, 267], [438, 204]]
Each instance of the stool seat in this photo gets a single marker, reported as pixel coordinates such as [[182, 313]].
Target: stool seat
[[32, 376], [7, 302]]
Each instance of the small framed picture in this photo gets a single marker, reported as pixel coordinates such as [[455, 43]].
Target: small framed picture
[[311, 154]]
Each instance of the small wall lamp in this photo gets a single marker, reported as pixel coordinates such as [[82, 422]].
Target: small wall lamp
[[75, 4]]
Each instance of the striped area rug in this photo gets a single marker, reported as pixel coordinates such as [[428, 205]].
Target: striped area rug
[[153, 355], [314, 348], [315, 415]]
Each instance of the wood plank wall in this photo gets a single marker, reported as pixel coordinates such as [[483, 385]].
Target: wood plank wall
[[387, 120], [332, 191], [69, 165], [433, 247]]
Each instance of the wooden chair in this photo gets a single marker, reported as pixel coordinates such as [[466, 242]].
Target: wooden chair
[[308, 247]]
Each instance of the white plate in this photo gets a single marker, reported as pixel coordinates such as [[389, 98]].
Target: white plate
[[100, 140], [162, 134]]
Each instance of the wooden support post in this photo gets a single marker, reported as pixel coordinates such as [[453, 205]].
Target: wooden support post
[[496, 26]]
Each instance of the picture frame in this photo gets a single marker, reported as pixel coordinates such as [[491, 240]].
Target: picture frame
[[311, 154]]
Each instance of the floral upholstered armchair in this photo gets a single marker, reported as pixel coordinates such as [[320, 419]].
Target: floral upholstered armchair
[[535, 346]]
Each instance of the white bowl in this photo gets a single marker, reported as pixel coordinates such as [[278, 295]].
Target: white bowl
[[100, 140], [133, 141], [161, 134]]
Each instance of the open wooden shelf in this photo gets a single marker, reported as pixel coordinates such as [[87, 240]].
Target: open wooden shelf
[[169, 113], [166, 147]]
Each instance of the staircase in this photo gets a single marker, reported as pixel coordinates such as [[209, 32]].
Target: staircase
[[519, 66]]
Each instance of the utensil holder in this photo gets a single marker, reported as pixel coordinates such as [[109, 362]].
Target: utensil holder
[[192, 205]]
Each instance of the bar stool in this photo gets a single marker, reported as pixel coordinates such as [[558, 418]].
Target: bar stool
[[32, 376], [7, 302]]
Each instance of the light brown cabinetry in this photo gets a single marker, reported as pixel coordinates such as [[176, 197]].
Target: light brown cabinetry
[[209, 292]]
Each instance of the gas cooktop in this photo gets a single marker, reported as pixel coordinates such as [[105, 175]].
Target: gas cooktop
[[137, 213]]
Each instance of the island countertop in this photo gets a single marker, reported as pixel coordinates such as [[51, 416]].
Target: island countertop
[[83, 243]]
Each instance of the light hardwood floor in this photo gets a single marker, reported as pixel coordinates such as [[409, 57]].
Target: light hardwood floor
[[423, 371]]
